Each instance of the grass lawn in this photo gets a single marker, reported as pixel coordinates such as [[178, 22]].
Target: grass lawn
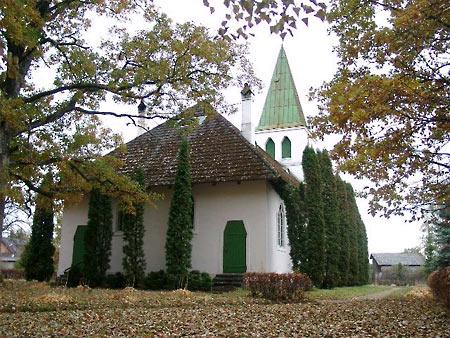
[[347, 292], [37, 310]]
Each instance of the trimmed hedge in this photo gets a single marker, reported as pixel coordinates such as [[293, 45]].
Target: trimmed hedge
[[75, 277], [155, 280], [439, 282], [161, 280], [277, 287], [12, 273], [116, 281], [199, 281]]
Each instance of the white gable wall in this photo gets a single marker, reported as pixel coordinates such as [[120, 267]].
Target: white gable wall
[[255, 203], [299, 140]]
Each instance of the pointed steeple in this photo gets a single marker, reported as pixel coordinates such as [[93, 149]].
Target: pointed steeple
[[282, 108]]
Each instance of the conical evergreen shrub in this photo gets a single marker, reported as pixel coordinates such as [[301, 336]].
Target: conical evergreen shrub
[[296, 220], [38, 260], [331, 220], [314, 263], [344, 229], [98, 239], [180, 224], [353, 231], [133, 237]]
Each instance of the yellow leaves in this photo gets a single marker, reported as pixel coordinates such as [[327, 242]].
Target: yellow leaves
[[14, 112], [53, 298], [280, 16], [13, 67]]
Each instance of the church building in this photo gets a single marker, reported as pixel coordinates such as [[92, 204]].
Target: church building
[[239, 218]]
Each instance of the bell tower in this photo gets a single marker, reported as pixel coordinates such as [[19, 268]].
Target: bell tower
[[282, 131]]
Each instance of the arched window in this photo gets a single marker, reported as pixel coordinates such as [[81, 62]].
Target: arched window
[[270, 147], [281, 227], [286, 148]]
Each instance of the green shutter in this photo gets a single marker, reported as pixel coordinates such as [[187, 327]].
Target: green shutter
[[270, 147], [286, 148], [78, 246]]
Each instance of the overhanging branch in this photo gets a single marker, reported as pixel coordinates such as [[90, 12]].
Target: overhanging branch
[[90, 87], [132, 117]]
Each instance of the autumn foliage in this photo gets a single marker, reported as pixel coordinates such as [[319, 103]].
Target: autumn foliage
[[278, 287], [389, 102], [439, 282]]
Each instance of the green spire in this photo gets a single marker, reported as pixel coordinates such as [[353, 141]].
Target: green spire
[[282, 108]]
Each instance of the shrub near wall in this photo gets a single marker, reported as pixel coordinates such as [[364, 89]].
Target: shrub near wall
[[12, 273], [277, 287], [439, 282], [160, 280]]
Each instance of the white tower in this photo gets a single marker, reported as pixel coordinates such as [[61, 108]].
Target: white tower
[[282, 129]]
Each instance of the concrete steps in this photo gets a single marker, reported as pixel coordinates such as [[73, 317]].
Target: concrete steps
[[227, 281]]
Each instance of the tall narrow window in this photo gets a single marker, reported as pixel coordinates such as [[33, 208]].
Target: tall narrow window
[[281, 227], [286, 148], [270, 147], [120, 220]]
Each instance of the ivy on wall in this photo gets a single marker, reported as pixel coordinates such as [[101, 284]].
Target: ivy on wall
[[334, 254]]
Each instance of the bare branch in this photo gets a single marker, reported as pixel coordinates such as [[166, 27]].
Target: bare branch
[[130, 116], [87, 87], [68, 107]]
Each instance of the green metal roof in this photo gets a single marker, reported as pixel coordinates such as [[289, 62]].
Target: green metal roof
[[282, 108]]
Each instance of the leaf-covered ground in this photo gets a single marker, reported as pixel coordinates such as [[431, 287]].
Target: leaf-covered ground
[[32, 309]]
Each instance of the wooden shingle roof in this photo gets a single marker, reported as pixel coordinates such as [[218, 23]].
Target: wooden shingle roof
[[389, 259], [218, 153]]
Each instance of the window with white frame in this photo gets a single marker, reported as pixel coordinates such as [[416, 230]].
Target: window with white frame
[[281, 226]]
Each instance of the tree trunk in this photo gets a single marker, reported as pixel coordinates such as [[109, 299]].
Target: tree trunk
[[4, 166], [10, 87]]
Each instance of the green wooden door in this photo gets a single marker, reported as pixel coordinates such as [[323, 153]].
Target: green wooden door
[[234, 247], [78, 246]]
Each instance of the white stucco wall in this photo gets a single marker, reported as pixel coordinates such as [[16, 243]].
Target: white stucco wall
[[255, 203], [214, 206], [299, 140], [280, 259], [74, 215], [155, 222]]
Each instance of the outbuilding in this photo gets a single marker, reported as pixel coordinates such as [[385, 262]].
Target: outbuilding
[[397, 268]]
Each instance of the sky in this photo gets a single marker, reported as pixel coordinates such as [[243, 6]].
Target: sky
[[312, 61]]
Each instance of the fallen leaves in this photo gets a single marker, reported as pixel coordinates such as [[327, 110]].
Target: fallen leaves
[[113, 312]]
